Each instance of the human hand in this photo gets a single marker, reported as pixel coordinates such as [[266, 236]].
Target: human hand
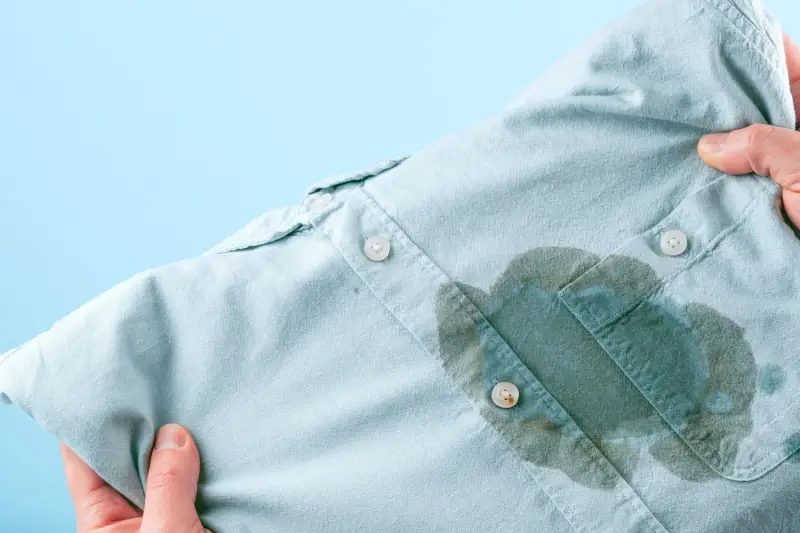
[[765, 150], [171, 491]]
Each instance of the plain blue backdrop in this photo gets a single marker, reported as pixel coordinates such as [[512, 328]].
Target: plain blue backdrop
[[133, 134]]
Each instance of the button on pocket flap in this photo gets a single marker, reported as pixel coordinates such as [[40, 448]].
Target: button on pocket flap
[[691, 311], [269, 227], [619, 282], [333, 181]]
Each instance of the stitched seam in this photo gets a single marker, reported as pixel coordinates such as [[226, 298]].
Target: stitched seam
[[402, 320], [464, 304], [594, 458], [566, 294], [770, 66], [710, 458], [713, 243], [781, 415], [707, 253], [744, 18]]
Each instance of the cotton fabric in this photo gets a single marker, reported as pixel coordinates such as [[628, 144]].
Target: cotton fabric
[[330, 392]]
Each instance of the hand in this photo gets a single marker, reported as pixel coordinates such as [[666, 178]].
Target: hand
[[765, 150], [171, 491]]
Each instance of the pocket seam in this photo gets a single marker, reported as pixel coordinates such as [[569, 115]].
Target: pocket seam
[[605, 334], [563, 294]]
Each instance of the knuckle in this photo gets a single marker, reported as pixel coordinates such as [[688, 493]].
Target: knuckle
[[759, 154], [165, 478], [92, 505], [793, 180], [94, 497], [758, 135], [95, 509]]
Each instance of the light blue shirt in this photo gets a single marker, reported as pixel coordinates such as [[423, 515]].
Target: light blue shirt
[[559, 320]]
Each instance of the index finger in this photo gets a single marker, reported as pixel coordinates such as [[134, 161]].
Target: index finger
[[793, 66], [792, 58], [97, 505]]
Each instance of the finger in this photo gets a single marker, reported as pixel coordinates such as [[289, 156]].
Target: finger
[[792, 58], [172, 483], [791, 204], [793, 65], [97, 505], [765, 150]]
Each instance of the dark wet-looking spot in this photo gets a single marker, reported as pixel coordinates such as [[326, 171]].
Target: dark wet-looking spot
[[771, 378], [791, 445], [692, 352]]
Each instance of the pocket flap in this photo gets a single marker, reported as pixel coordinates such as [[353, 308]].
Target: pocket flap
[[699, 334]]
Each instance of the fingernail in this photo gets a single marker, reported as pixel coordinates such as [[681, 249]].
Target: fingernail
[[170, 437], [714, 143]]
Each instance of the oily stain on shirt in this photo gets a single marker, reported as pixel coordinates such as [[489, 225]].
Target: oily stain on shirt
[[695, 347]]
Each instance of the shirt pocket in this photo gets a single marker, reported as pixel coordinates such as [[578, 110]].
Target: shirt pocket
[[281, 222], [710, 336]]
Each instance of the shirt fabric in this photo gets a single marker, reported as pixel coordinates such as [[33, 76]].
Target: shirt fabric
[[338, 361]]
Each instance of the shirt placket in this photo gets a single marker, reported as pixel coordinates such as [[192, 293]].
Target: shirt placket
[[527, 417]]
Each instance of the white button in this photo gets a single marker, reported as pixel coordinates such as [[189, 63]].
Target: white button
[[318, 203], [376, 248], [505, 394], [674, 242]]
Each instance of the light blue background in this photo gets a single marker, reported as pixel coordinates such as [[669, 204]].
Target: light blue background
[[137, 133]]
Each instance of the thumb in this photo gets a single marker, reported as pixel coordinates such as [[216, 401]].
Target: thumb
[[172, 484], [765, 150]]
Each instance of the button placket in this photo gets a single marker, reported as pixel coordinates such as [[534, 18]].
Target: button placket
[[409, 286]]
